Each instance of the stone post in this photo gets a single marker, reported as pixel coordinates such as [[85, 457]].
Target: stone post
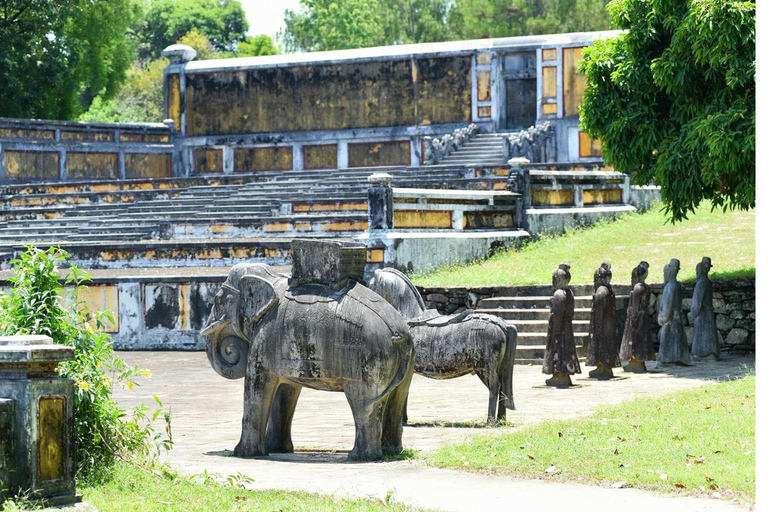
[[519, 181], [37, 448], [381, 215]]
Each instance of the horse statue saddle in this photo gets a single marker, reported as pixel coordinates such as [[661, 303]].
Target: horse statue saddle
[[434, 319]]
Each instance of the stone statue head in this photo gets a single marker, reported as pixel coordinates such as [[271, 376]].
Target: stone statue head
[[640, 273], [671, 269], [603, 275], [561, 276], [702, 268]]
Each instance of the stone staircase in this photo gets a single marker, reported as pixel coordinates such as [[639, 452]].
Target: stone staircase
[[530, 314], [482, 149]]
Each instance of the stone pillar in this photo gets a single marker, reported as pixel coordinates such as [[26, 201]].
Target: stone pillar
[[381, 215], [37, 411], [519, 182]]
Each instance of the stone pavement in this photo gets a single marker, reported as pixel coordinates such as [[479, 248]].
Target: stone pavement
[[206, 412]]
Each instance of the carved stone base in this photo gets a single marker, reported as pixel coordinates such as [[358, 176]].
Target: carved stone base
[[635, 366], [602, 372], [560, 380]]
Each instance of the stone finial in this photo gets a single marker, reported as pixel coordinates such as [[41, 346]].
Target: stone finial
[[380, 178], [519, 162], [179, 53]]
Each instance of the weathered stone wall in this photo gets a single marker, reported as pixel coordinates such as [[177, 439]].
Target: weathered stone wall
[[733, 300]]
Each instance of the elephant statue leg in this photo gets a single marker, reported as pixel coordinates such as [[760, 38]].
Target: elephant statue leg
[[369, 419], [280, 419], [260, 389], [394, 418], [405, 410]]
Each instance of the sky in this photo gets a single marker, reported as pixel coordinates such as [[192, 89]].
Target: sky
[[266, 16]]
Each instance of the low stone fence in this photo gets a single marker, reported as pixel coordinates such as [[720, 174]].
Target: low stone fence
[[733, 300]]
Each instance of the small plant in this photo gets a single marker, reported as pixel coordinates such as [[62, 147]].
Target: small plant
[[40, 304]]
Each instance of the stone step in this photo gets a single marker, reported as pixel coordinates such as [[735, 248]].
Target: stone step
[[540, 326], [534, 354], [531, 314], [540, 338]]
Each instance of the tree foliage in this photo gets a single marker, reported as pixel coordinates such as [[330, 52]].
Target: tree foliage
[[335, 25], [57, 55], [673, 99], [221, 21], [473, 19]]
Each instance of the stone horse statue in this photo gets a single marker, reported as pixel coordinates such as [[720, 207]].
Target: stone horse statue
[[455, 345]]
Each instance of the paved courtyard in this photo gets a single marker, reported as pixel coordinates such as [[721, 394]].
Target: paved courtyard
[[206, 412]]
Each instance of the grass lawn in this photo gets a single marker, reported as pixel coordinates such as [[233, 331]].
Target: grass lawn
[[698, 442], [727, 238], [134, 489]]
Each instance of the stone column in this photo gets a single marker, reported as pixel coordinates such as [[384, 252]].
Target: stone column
[[381, 215], [519, 181], [37, 413]]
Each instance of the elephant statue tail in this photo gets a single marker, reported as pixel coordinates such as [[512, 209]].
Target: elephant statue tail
[[508, 367], [228, 355]]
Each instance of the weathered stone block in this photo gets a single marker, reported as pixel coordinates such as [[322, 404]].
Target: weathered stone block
[[748, 305], [738, 314], [687, 304], [329, 263], [437, 297], [719, 305], [724, 322], [737, 336]]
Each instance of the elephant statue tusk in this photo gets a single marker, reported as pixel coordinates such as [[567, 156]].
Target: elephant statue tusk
[[214, 327]]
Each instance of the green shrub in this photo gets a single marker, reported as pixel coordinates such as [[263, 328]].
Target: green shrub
[[40, 304]]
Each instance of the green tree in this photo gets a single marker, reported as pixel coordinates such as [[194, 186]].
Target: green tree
[[673, 100], [255, 46], [472, 19], [221, 21], [58, 55], [335, 25]]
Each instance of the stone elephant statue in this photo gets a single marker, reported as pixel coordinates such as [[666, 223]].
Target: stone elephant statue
[[282, 338], [449, 346]]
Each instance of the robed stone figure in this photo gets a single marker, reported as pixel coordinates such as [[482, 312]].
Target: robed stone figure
[[706, 342], [637, 341], [603, 350], [673, 344], [560, 357]]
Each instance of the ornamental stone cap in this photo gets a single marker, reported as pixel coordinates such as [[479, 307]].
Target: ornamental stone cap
[[519, 161], [380, 177], [22, 350], [179, 53]]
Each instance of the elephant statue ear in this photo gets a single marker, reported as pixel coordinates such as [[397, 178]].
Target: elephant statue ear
[[257, 297]]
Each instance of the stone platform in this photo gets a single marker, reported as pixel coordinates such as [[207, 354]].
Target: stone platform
[[206, 414]]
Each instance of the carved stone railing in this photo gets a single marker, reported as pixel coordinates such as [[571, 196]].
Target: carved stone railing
[[536, 143], [437, 148]]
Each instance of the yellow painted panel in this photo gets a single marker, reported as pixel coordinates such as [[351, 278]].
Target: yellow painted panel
[[549, 79], [26, 133], [484, 111], [143, 137], [372, 154], [374, 256], [277, 227], [323, 156], [303, 226], [423, 219], [38, 165], [174, 100], [574, 82], [99, 298], [184, 307], [499, 185], [549, 54], [148, 165], [92, 166], [609, 196], [588, 147], [208, 160], [489, 220], [271, 158], [549, 109], [345, 226], [552, 197], [483, 86], [483, 58], [51, 441], [220, 228], [88, 136]]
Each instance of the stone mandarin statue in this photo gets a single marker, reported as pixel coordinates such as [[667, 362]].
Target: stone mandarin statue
[[637, 342], [706, 343], [560, 358], [673, 345], [602, 350]]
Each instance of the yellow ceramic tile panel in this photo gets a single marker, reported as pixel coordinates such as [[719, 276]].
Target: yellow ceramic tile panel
[[208, 160], [88, 136], [484, 111], [174, 100], [272, 158], [92, 166], [423, 219], [549, 109], [610, 196], [549, 54], [148, 165], [549, 79], [32, 165], [552, 197], [321, 156], [483, 86], [51, 425], [483, 58], [574, 82], [374, 256], [372, 154], [99, 298]]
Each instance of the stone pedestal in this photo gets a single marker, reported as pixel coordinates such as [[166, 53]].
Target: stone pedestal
[[37, 413]]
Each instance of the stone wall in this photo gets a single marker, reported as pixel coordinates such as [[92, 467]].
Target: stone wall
[[734, 302]]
